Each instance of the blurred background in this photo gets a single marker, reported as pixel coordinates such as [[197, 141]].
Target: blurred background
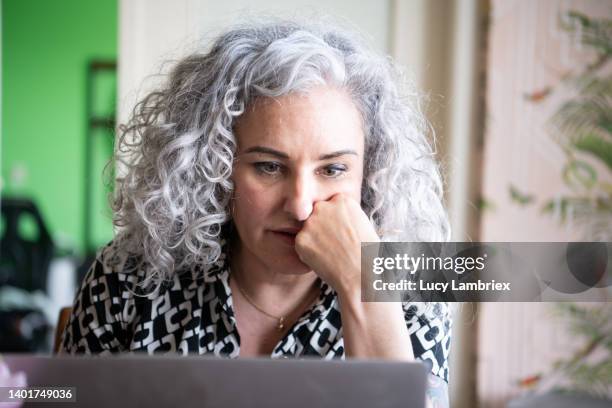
[[518, 92]]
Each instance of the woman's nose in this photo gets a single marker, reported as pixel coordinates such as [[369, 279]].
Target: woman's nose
[[300, 197]]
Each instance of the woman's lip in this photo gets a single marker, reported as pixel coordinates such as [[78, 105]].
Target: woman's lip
[[293, 231], [285, 236]]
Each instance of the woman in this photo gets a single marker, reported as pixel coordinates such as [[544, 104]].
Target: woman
[[251, 180]]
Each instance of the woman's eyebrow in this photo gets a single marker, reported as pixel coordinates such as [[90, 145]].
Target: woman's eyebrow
[[337, 154], [267, 150], [277, 153]]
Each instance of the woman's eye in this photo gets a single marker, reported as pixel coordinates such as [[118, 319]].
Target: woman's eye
[[334, 170], [269, 168]]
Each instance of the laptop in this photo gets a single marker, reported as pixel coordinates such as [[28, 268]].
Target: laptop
[[200, 381]]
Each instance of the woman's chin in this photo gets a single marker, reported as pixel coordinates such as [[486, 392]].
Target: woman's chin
[[288, 262]]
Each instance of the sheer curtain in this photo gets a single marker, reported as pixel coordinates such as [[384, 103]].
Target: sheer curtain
[[443, 43]]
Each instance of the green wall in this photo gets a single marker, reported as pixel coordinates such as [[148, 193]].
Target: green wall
[[46, 46]]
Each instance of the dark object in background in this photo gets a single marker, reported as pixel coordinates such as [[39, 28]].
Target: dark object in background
[[25, 257], [23, 331], [96, 121], [24, 261], [588, 262]]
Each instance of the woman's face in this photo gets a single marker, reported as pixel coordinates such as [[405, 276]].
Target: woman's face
[[292, 152]]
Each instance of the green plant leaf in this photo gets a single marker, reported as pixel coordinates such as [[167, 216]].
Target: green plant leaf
[[485, 205], [578, 173], [596, 146], [596, 33], [606, 125], [519, 197], [560, 205]]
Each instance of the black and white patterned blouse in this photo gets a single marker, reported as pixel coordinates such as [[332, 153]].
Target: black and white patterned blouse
[[194, 314]]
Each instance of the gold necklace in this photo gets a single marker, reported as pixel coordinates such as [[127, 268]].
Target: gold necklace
[[281, 319]]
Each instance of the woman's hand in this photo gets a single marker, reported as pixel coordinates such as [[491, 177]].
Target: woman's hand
[[330, 242]]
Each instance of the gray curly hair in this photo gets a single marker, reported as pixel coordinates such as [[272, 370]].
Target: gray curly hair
[[171, 204]]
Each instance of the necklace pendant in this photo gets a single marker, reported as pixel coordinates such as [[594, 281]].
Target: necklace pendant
[[281, 323]]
